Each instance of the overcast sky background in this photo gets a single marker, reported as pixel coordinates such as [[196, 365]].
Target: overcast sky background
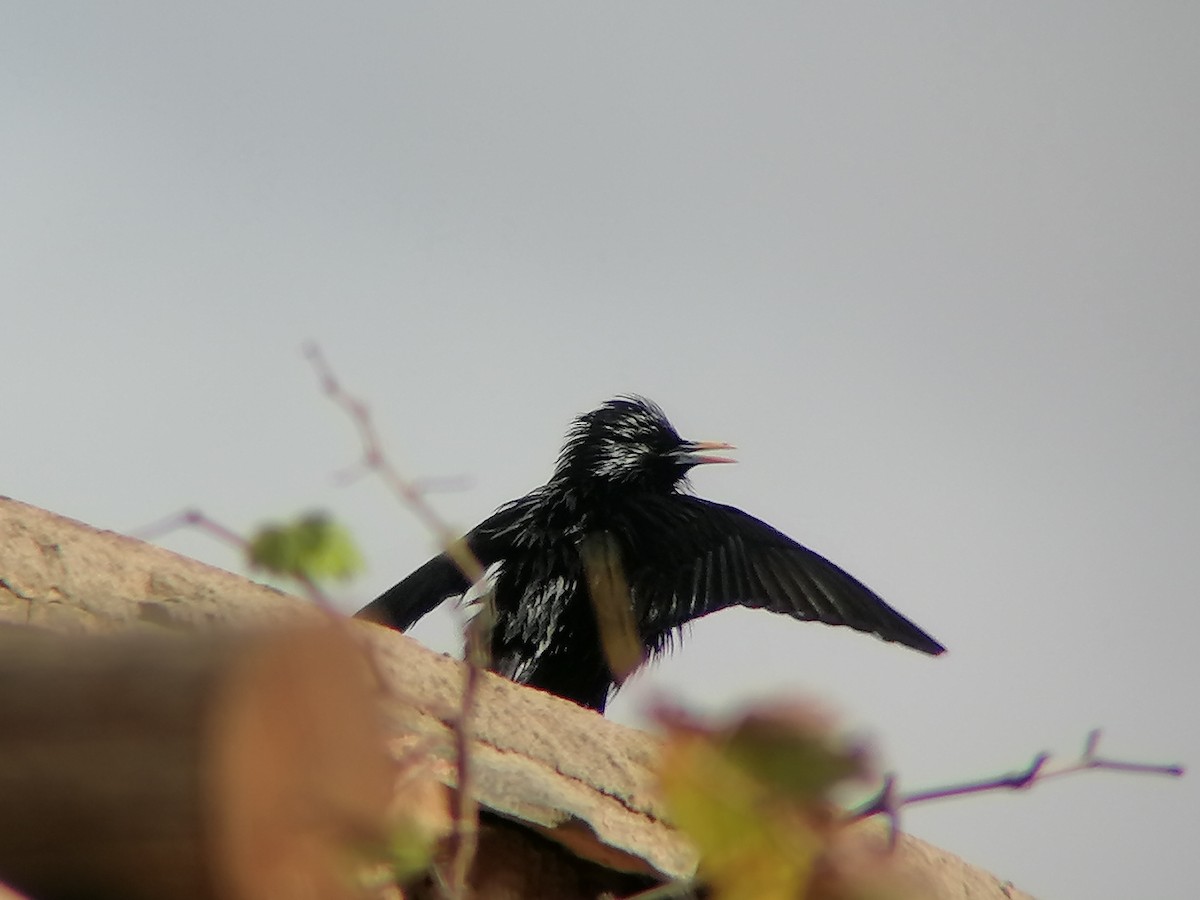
[[933, 267]]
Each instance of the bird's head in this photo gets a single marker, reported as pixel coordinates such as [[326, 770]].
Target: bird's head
[[628, 442]]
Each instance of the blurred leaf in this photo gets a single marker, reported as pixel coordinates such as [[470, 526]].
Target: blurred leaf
[[608, 590], [421, 818], [313, 547], [754, 796], [794, 750], [410, 852]]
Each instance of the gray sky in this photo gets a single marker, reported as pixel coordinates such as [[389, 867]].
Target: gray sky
[[932, 266]]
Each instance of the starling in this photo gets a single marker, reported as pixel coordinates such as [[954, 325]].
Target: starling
[[620, 484]]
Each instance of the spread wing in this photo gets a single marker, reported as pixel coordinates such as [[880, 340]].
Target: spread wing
[[693, 557], [401, 605]]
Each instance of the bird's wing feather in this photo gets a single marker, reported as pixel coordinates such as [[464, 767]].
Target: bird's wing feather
[[401, 605], [693, 557]]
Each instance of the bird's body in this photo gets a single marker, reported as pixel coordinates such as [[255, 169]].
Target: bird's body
[[620, 475]]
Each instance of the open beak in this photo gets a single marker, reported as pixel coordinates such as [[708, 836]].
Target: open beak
[[694, 453]]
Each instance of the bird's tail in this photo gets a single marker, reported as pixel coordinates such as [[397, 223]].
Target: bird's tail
[[401, 606]]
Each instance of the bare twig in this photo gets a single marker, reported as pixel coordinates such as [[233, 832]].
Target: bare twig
[[887, 803], [412, 494], [195, 518], [376, 460], [888, 806], [190, 518]]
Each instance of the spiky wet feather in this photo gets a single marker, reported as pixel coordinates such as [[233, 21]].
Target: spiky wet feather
[[684, 558]]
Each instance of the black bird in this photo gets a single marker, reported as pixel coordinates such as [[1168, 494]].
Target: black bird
[[622, 474]]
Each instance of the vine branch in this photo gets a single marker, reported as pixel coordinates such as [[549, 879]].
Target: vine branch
[[465, 838], [889, 803]]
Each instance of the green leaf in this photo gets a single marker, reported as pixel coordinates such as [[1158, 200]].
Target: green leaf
[[410, 851], [754, 795], [313, 547]]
